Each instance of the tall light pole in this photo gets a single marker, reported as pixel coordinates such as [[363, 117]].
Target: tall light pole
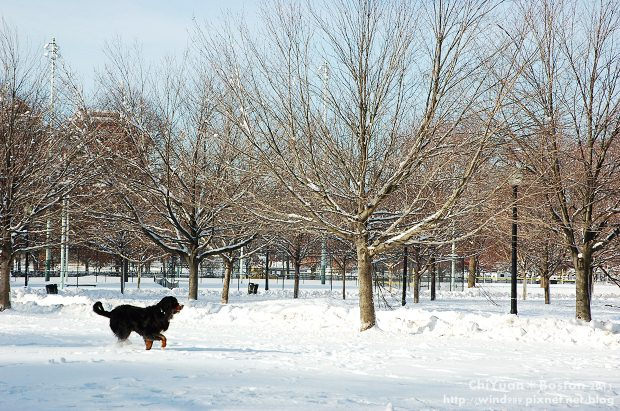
[[66, 210], [514, 182], [241, 264], [324, 70], [267, 270], [51, 53], [453, 262], [62, 245], [404, 295]]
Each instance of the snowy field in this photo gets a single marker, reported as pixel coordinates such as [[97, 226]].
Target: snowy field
[[268, 351]]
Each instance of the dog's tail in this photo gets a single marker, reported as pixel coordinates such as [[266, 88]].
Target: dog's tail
[[98, 308]]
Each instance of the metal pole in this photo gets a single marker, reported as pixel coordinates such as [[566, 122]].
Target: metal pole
[[66, 210], [453, 264], [323, 261], [122, 276], [48, 251], [344, 276], [62, 246], [27, 260], [325, 76], [404, 298], [513, 268], [52, 53], [266, 270], [241, 264], [433, 278], [463, 273]]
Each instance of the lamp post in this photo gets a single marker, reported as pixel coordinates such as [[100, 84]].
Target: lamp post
[[267, 270], [27, 259], [514, 182], [403, 300], [453, 262], [324, 70], [323, 260], [52, 53], [64, 244]]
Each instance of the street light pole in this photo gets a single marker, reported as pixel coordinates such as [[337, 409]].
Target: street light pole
[[66, 210], [404, 296], [267, 270], [27, 259], [453, 263], [48, 250], [324, 69], [63, 231], [323, 260], [52, 53], [513, 268]]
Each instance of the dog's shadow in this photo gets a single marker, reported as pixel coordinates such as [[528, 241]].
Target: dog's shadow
[[226, 349]]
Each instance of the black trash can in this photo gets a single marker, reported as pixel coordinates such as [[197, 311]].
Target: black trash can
[[51, 288], [252, 288]]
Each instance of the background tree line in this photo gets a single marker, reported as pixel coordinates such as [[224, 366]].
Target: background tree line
[[368, 125]]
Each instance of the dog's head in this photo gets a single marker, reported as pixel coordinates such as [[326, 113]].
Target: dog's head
[[170, 305]]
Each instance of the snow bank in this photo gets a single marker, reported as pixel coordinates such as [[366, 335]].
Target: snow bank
[[501, 327], [319, 310], [268, 351]]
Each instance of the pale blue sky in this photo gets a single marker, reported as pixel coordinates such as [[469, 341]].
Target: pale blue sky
[[82, 27]]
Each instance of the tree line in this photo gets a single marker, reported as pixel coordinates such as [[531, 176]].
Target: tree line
[[375, 125]]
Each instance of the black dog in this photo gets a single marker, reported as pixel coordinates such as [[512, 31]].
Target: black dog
[[149, 322]]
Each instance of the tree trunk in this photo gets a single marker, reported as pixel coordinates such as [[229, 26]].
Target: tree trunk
[[547, 295], [524, 292], [125, 270], [297, 265], [228, 264], [471, 277], [364, 273], [139, 274], [591, 282], [5, 277], [583, 273], [192, 262]]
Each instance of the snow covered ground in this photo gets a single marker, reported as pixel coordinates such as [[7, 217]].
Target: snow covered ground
[[268, 351]]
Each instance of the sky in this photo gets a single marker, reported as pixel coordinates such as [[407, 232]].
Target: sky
[[82, 27]]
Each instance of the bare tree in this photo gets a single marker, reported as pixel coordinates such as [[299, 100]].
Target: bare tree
[[422, 261], [568, 125], [38, 160], [298, 246], [180, 181], [407, 106], [343, 255], [236, 233]]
